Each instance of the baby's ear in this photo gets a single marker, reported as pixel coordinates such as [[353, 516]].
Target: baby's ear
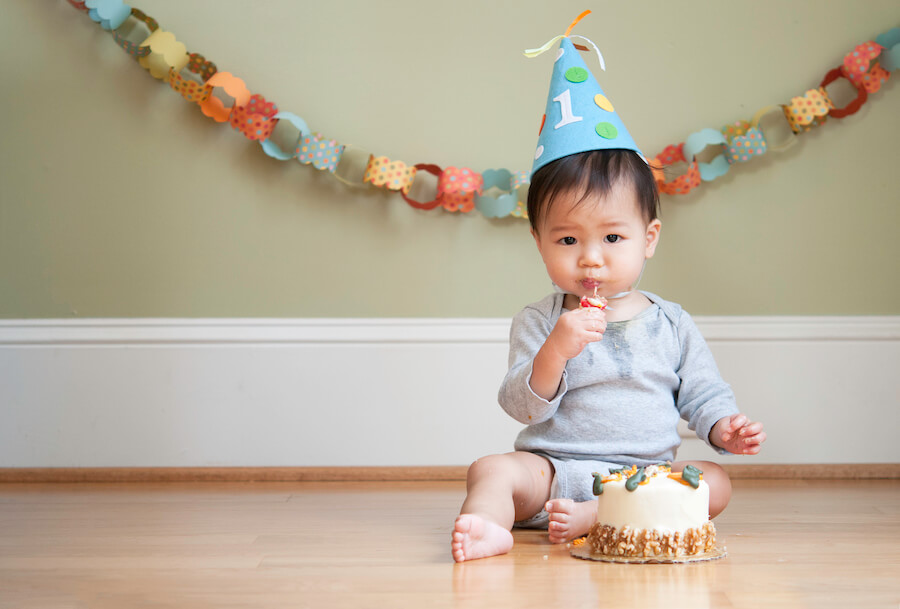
[[653, 230]]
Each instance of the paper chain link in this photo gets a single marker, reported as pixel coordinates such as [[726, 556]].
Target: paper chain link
[[460, 189]]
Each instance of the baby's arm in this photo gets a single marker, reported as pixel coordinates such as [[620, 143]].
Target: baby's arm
[[738, 435], [571, 334]]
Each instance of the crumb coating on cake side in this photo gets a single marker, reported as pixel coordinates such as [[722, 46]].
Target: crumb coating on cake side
[[630, 542]]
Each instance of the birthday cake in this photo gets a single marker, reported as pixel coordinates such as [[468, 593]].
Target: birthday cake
[[651, 513]]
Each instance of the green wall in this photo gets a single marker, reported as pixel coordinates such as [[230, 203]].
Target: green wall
[[118, 199]]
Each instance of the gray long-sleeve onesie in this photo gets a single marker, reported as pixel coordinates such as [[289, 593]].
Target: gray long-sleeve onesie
[[619, 400]]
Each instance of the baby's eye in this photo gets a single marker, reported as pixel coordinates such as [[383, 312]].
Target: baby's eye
[[568, 241], [612, 238]]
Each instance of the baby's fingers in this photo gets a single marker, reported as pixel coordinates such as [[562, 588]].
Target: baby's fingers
[[750, 429], [753, 444]]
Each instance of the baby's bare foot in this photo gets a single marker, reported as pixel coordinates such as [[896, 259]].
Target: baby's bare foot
[[569, 520], [474, 537]]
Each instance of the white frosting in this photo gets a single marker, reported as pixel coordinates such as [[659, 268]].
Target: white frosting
[[663, 504]]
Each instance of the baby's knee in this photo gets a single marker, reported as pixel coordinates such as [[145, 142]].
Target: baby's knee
[[488, 466]]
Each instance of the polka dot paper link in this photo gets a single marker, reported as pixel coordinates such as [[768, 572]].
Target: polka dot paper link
[[744, 142], [136, 50], [190, 89], [385, 173], [321, 153], [254, 119], [683, 184], [867, 66], [809, 110], [457, 188]]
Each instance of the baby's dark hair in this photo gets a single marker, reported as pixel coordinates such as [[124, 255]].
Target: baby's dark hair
[[595, 172]]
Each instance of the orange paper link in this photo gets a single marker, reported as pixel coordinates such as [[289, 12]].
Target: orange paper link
[[233, 86], [385, 173], [254, 119], [856, 62], [457, 188], [683, 184]]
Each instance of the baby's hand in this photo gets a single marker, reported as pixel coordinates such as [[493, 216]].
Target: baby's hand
[[575, 329], [738, 435]]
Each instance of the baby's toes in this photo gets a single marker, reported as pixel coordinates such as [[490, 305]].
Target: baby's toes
[[560, 510]]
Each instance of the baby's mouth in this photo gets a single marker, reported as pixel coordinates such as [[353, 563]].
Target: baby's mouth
[[590, 284]]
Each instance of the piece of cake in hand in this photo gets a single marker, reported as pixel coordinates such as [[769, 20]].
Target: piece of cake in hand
[[652, 513], [593, 301]]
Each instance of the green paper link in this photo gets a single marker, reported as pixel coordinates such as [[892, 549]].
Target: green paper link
[[499, 206], [890, 56], [696, 142]]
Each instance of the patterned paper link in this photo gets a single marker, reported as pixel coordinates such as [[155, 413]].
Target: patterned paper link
[[165, 54], [808, 111], [683, 184], [499, 206], [744, 142], [136, 50], [385, 173], [110, 14], [272, 149], [780, 110], [890, 42], [874, 78], [521, 182], [190, 89], [697, 142], [233, 86], [856, 62], [458, 187], [853, 106], [437, 202], [857, 69], [321, 153], [254, 119]]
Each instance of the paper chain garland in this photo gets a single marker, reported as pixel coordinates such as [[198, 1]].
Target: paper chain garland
[[866, 67]]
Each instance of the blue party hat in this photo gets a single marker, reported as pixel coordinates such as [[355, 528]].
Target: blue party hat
[[579, 116]]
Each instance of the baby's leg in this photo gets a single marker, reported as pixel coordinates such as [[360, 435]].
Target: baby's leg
[[718, 481], [501, 489], [569, 519]]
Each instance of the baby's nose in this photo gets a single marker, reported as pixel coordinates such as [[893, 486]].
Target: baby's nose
[[592, 256]]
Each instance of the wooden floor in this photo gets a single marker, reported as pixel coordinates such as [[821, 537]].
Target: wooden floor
[[370, 545]]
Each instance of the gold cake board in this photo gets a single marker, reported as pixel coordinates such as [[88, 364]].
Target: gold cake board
[[584, 551]]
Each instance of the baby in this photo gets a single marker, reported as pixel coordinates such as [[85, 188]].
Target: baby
[[596, 388]]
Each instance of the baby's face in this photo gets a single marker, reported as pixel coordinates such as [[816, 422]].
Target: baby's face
[[599, 244]]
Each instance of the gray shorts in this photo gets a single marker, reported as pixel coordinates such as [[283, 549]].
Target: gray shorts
[[572, 479]]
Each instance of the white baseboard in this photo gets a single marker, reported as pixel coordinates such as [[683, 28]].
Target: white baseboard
[[391, 392]]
